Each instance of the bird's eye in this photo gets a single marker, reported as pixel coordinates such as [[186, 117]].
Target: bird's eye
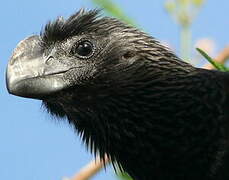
[[84, 49]]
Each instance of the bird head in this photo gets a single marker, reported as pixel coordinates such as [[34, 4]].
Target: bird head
[[83, 50]]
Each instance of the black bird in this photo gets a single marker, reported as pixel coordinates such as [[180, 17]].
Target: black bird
[[128, 96]]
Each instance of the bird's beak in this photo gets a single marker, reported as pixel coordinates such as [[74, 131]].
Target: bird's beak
[[32, 74]]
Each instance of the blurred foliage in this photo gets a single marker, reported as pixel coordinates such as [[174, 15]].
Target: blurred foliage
[[113, 9], [184, 13]]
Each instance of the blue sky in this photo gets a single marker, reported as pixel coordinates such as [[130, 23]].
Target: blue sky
[[34, 146]]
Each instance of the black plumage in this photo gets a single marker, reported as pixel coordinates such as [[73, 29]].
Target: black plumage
[[128, 97]]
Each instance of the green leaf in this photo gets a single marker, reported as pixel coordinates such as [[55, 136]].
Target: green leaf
[[217, 65]]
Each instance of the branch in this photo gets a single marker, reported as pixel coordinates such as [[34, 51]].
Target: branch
[[90, 169], [221, 58]]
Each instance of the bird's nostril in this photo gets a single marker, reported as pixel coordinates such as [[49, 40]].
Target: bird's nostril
[[49, 60]]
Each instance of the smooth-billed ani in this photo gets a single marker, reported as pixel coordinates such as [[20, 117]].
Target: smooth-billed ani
[[128, 97]]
